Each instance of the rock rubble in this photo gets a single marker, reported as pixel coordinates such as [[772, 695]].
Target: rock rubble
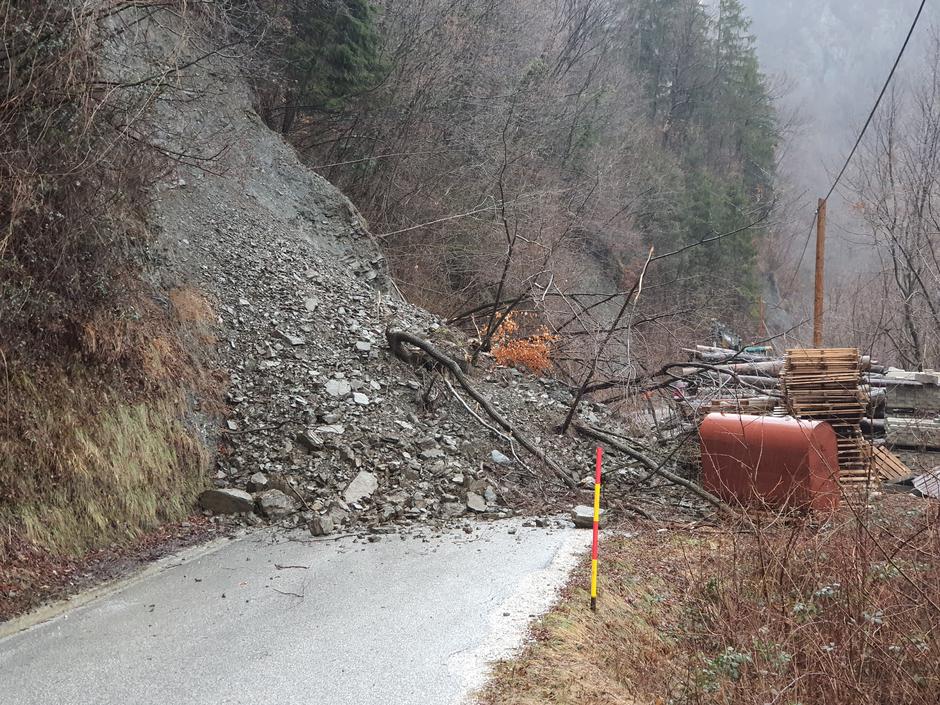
[[324, 427]]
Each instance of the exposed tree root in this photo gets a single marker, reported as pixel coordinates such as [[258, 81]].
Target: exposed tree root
[[397, 339]]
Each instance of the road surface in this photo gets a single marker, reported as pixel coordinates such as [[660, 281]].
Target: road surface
[[266, 619]]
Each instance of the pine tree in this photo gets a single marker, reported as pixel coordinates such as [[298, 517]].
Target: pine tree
[[332, 53]]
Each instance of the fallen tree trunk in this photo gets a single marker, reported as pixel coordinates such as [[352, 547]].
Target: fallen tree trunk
[[397, 339], [744, 380], [769, 368], [655, 467], [721, 356]]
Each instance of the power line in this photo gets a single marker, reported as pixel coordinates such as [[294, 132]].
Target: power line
[[861, 135], [881, 95], [803, 252]]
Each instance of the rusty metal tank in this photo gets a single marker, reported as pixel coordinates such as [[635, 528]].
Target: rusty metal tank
[[772, 461]]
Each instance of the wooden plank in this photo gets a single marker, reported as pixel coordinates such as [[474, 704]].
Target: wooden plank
[[826, 384], [890, 468]]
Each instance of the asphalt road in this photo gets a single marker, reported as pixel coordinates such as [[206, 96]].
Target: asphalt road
[[389, 623]]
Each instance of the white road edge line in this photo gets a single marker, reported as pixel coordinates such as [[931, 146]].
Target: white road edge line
[[62, 608], [533, 596]]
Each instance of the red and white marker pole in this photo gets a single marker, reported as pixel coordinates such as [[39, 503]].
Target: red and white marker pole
[[597, 515]]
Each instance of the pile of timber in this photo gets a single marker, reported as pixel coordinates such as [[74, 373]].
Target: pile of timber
[[916, 432], [825, 384]]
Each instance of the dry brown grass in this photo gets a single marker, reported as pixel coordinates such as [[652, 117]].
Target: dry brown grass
[[622, 654], [94, 447], [190, 306], [81, 468], [795, 612]]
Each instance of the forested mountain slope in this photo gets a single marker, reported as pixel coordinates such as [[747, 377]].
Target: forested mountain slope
[[573, 135]]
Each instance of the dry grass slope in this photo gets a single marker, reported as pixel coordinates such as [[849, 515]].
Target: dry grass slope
[[779, 610], [93, 468]]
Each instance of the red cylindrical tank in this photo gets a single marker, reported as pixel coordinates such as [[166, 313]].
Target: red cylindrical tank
[[778, 461]]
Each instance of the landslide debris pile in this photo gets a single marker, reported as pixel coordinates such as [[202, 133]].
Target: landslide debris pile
[[323, 426], [324, 418]]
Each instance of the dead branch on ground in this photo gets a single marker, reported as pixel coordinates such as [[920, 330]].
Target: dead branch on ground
[[397, 339], [654, 467]]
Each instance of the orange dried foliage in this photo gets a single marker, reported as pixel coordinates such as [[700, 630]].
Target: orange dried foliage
[[532, 352]]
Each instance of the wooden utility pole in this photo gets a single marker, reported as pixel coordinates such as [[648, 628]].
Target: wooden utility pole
[[820, 273]]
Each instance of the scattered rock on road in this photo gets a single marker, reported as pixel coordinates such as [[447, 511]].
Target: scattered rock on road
[[227, 501], [321, 525], [583, 517]]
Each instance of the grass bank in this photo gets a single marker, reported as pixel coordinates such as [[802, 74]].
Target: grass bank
[[84, 467], [808, 611]]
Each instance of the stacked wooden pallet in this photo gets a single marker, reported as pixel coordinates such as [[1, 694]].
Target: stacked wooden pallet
[[825, 384], [888, 466]]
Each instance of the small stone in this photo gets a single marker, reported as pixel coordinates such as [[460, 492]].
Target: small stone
[[363, 346], [226, 501], [310, 440], [361, 399], [294, 340], [334, 429], [362, 486], [337, 514], [583, 517], [258, 482], [431, 454], [274, 504], [450, 510], [338, 388], [311, 303], [232, 425], [499, 458], [475, 502], [427, 443], [321, 525]]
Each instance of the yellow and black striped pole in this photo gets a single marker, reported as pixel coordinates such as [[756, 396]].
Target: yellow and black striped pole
[[597, 515]]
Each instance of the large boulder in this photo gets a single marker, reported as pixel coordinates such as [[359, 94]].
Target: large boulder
[[227, 501], [583, 517], [476, 503]]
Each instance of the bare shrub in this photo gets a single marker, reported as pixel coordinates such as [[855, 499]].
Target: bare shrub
[[797, 612], [98, 370], [782, 609]]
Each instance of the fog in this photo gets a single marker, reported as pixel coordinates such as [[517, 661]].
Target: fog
[[828, 60]]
